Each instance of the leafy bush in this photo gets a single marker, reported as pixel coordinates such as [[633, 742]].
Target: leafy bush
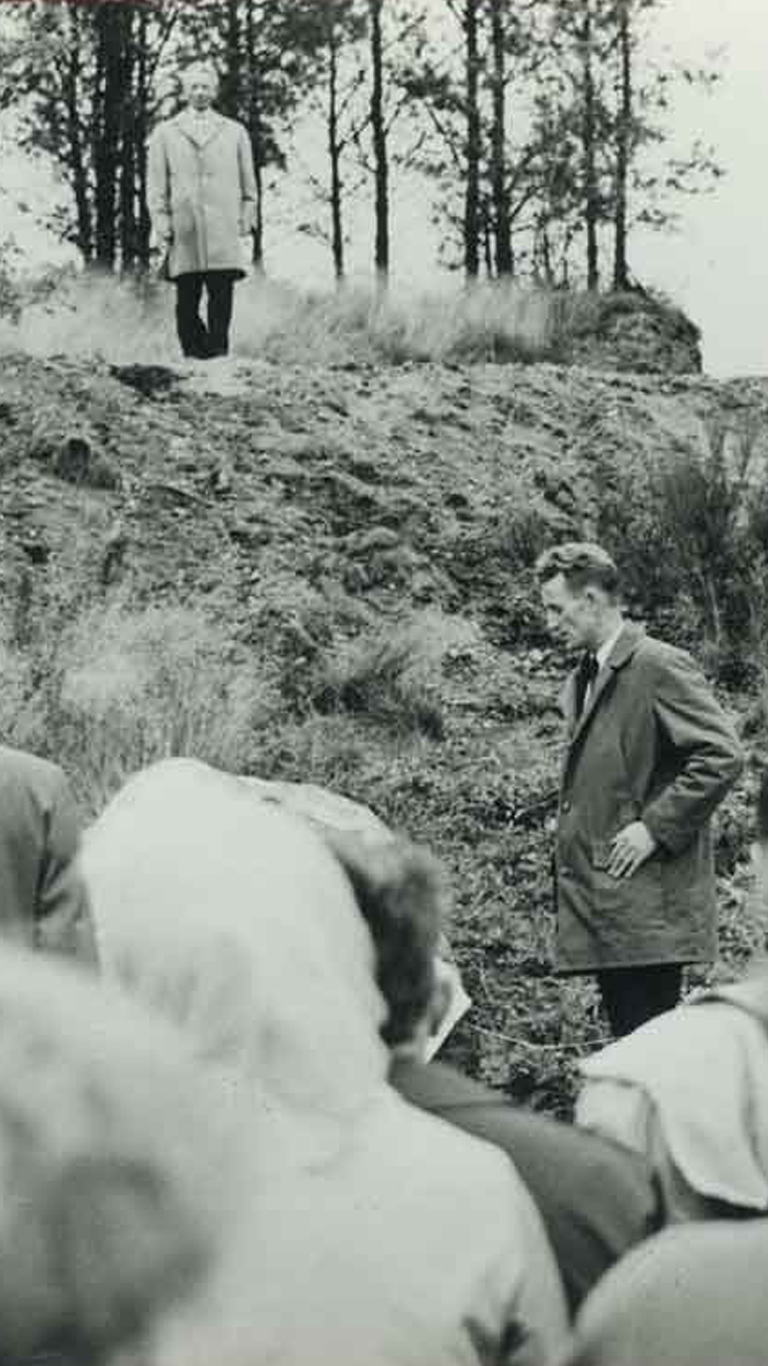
[[692, 537]]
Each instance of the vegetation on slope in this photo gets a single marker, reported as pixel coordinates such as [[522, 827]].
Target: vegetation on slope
[[324, 574]]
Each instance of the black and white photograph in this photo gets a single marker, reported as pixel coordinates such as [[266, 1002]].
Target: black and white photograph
[[383, 683]]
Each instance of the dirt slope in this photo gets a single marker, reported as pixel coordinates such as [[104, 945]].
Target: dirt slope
[[310, 507]]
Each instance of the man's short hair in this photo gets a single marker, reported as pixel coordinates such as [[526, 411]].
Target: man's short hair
[[398, 888], [200, 68], [582, 564]]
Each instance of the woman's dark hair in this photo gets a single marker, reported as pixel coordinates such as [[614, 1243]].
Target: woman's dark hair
[[398, 889]]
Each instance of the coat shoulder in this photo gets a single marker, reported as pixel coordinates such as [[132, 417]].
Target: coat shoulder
[[18, 769], [654, 656], [232, 125], [165, 125]]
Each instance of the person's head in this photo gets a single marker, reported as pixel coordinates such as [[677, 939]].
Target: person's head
[[200, 85], [235, 921], [109, 1216], [399, 891], [579, 585]]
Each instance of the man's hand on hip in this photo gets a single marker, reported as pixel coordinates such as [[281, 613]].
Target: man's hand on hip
[[630, 849]]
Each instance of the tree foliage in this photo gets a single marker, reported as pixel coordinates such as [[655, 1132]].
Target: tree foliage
[[543, 126]]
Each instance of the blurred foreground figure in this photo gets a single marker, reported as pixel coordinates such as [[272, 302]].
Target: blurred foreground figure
[[388, 875], [596, 1199], [202, 196], [690, 1090], [380, 1235], [111, 1188], [43, 903], [690, 1297]]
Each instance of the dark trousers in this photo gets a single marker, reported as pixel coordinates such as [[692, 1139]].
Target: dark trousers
[[196, 337], [631, 996]]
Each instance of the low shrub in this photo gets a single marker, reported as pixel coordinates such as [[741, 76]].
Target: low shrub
[[384, 677], [691, 534], [128, 688]]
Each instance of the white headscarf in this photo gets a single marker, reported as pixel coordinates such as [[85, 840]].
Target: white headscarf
[[234, 920], [376, 1233]]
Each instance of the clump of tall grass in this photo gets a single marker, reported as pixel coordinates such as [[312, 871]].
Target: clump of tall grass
[[125, 688], [485, 323], [390, 676], [94, 315]]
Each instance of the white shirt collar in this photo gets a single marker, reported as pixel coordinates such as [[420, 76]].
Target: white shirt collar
[[603, 653]]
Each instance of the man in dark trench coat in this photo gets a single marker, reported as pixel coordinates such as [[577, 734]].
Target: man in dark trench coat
[[649, 756]]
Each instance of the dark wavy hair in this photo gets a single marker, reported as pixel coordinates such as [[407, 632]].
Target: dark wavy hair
[[581, 563], [399, 890]]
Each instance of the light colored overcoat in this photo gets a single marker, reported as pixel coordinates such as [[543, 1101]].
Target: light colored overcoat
[[691, 1296], [201, 192], [653, 744]]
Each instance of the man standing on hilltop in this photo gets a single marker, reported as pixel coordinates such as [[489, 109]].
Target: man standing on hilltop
[[201, 199], [650, 755]]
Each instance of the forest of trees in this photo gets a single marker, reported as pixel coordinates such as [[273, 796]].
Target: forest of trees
[[540, 126]]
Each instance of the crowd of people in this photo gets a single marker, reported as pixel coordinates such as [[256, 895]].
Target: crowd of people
[[220, 1140]]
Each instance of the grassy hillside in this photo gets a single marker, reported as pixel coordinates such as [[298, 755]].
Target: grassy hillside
[[322, 572]]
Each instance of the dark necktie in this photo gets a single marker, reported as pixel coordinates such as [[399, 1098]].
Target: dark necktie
[[585, 676]]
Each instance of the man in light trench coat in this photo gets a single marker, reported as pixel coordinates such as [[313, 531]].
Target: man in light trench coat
[[201, 199], [649, 756]]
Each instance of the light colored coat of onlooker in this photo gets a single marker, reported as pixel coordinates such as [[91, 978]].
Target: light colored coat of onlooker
[[689, 1297], [689, 1090]]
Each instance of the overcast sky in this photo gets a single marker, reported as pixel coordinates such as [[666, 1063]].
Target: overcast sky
[[716, 267]]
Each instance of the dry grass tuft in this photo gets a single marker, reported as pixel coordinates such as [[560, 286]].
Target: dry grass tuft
[[99, 316], [125, 688]]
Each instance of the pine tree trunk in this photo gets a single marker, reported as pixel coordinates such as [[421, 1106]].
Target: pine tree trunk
[[473, 147], [499, 187], [623, 138], [379, 135], [334, 151], [141, 132], [232, 84], [109, 27], [127, 167], [591, 197], [254, 128], [75, 150], [258, 225]]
